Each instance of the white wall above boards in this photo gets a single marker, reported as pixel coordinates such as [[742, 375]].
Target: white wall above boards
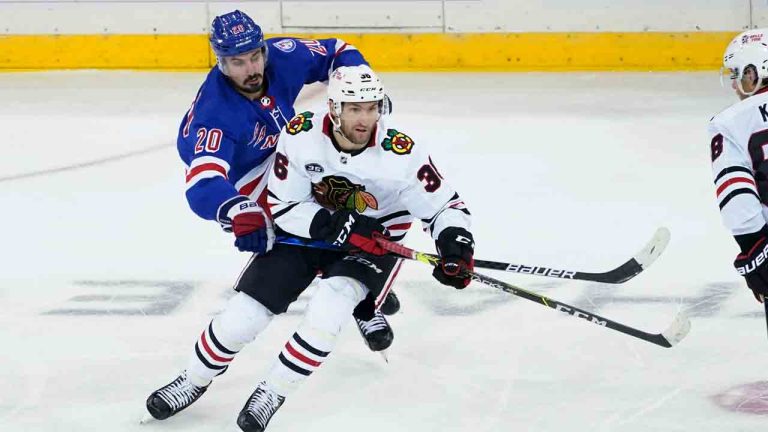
[[597, 15], [126, 17], [759, 13], [363, 16]]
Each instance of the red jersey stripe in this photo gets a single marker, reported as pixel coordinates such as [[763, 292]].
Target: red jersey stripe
[[402, 226], [250, 186], [340, 49], [733, 181], [206, 167]]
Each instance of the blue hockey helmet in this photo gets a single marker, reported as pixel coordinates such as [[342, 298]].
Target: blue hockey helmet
[[235, 33]]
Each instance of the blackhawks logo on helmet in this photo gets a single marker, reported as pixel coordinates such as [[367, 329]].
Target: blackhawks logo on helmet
[[300, 123], [397, 142], [336, 193]]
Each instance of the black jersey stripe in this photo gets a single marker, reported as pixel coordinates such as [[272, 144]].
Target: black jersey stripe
[[732, 169], [431, 220], [397, 237], [284, 211], [735, 193], [391, 216], [272, 195]]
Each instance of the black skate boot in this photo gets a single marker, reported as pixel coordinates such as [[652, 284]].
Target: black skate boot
[[261, 406], [376, 332], [391, 304], [174, 397]]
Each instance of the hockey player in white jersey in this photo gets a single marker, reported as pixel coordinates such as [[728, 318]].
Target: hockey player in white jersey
[[340, 179], [739, 153]]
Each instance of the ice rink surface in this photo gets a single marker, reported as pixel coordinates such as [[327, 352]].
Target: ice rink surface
[[107, 278]]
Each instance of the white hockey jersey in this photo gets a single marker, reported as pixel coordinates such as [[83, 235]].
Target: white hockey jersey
[[392, 179], [739, 152]]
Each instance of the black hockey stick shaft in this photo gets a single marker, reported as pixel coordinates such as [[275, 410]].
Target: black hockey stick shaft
[[674, 334], [765, 306]]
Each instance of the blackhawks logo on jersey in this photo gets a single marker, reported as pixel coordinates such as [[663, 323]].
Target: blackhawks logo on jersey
[[397, 142], [336, 193], [300, 123]]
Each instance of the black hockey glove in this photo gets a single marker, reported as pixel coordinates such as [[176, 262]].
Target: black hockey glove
[[349, 230], [456, 248], [752, 263]]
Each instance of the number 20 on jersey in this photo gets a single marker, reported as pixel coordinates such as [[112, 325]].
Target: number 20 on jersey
[[208, 140]]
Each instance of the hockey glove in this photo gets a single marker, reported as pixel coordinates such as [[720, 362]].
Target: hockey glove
[[752, 263], [456, 248], [251, 226], [350, 231]]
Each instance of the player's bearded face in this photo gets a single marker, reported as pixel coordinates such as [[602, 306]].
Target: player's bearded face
[[247, 71], [358, 120]]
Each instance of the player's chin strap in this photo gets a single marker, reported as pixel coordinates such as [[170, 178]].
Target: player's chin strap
[[752, 93], [336, 122], [740, 84]]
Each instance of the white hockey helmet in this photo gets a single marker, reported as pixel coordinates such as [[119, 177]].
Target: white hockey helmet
[[354, 84], [749, 48], [745, 38]]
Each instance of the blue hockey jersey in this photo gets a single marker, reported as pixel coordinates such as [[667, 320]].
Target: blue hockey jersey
[[227, 141]]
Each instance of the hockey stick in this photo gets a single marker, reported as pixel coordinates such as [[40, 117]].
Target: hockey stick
[[668, 338], [639, 262], [765, 306], [620, 274]]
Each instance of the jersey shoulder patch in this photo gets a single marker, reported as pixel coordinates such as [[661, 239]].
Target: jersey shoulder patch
[[397, 142], [302, 122], [285, 45]]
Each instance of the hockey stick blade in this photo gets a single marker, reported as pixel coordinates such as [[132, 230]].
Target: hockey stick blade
[[670, 337], [678, 329], [620, 274]]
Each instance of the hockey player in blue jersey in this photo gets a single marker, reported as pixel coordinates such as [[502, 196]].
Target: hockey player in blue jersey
[[227, 141], [227, 137]]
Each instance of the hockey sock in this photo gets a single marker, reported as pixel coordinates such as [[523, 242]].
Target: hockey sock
[[240, 322], [327, 313]]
